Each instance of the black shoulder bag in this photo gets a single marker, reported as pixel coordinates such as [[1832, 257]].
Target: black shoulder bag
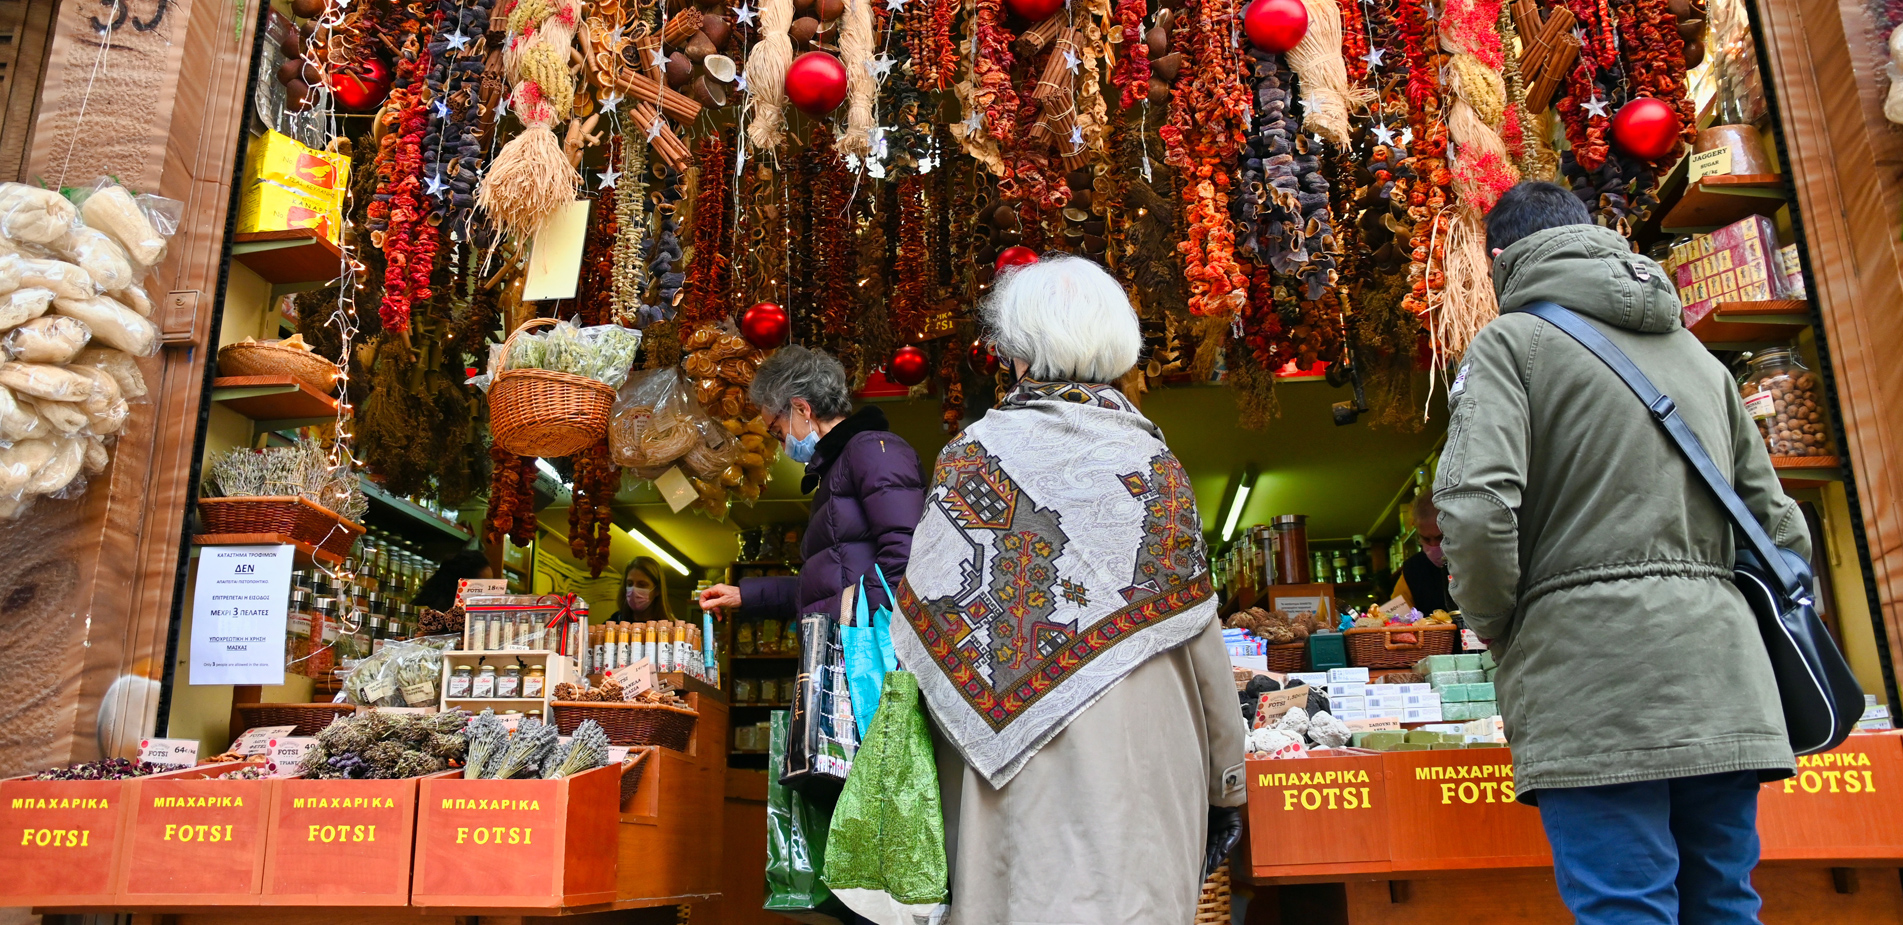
[[1822, 699]]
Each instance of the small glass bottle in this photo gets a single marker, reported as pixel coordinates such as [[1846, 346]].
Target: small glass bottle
[[509, 682], [460, 681], [485, 686], [534, 682]]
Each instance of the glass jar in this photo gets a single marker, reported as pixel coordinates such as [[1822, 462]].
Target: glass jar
[[534, 681], [509, 683], [485, 686], [1786, 400], [460, 681], [1292, 566]]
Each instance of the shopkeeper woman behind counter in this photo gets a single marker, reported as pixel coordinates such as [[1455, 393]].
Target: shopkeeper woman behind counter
[[867, 489]]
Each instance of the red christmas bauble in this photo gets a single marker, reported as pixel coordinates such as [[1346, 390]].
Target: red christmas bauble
[[764, 325], [1017, 255], [982, 359], [1035, 10], [816, 83], [364, 86], [1275, 25], [1646, 128], [909, 366]]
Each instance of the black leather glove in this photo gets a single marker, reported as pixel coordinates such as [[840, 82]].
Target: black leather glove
[[1225, 829]]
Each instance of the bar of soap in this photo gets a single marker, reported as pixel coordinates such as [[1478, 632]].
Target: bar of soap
[[1446, 746], [1379, 741], [1433, 663], [1467, 661], [1481, 691], [1457, 712], [1423, 737], [1490, 672], [1408, 747], [1485, 708], [1442, 681], [1486, 660], [1469, 676]]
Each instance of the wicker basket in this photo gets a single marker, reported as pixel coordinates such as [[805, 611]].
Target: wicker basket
[[1374, 646], [1288, 657], [309, 718], [298, 518], [1212, 908], [541, 412], [636, 764], [255, 359], [630, 723]]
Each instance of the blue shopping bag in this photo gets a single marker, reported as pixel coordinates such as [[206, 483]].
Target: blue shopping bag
[[868, 644]]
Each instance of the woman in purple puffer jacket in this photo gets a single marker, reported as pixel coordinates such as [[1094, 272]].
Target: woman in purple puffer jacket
[[867, 489]]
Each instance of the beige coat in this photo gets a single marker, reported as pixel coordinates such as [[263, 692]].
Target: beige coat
[[1106, 823]]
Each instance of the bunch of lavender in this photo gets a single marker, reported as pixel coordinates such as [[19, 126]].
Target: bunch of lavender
[[108, 769]]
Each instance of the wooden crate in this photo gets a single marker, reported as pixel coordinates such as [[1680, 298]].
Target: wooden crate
[[1844, 805], [517, 844], [669, 852], [1317, 818], [192, 840], [1455, 809], [340, 842], [60, 840]]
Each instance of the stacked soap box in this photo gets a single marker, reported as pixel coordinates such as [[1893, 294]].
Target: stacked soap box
[[1351, 696], [1485, 733], [1464, 683]]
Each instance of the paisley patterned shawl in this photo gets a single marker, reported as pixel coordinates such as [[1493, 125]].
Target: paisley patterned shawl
[[1060, 549]]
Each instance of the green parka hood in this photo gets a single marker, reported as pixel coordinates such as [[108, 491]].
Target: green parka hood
[[1591, 270]]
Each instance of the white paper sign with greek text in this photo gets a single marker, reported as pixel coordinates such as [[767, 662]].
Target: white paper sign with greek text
[[238, 609], [285, 757], [257, 739], [634, 679], [169, 753]]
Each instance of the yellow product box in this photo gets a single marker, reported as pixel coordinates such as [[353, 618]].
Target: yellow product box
[[268, 205], [281, 159]]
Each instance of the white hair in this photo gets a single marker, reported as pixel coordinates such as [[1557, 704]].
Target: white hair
[[1066, 318]]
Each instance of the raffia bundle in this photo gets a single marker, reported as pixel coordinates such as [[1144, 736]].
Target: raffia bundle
[[766, 75], [532, 178], [1317, 61], [855, 51]]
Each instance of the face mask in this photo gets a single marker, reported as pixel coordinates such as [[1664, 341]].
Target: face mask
[[1435, 555], [801, 450], [639, 599]]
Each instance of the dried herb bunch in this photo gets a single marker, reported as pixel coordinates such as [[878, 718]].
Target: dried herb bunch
[[302, 470], [387, 746]]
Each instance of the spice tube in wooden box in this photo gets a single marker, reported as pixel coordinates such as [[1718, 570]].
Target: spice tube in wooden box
[[516, 844], [1841, 806], [1317, 817], [340, 842], [1456, 809], [194, 838], [60, 840]]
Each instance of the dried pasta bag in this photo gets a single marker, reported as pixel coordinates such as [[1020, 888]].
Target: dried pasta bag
[[130, 221], [99, 255], [61, 470], [30, 215], [20, 462], [652, 422], [23, 305], [66, 280], [51, 339], [123, 368], [113, 324], [42, 381]]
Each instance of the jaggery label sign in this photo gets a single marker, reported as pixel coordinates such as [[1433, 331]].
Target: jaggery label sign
[[238, 608]]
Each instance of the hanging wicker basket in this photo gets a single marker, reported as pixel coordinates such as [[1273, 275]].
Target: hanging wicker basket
[[256, 359], [298, 518], [541, 412]]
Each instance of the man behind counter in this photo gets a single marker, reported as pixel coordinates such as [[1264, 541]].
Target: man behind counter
[[1423, 581]]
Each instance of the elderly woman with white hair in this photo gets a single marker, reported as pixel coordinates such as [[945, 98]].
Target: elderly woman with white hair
[[1059, 613]]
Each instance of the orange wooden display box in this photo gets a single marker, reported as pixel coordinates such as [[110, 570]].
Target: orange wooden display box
[[1844, 805], [517, 844], [1318, 818], [192, 839], [66, 851], [1455, 809], [340, 842]]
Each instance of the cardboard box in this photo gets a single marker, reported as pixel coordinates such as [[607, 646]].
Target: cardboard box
[[1428, 699], [1349, 689], [1340, 705], [1736, 263], [281, 159], [1352, 675], [268, 205], [1310, 678], [1421, 714]]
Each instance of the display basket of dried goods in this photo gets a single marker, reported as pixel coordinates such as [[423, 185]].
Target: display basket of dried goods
[[309, 718], [630, 723], [289, 357], [299, 518], [1399, 646], [542, 412], [1288, 657]]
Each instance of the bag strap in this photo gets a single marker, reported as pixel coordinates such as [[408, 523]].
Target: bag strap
[[1665, 411], [890, 601]]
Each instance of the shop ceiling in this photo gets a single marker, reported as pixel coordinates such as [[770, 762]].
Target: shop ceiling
[[1343, 478]]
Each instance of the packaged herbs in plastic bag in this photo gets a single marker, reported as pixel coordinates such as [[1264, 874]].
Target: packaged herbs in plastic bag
[[403, 674]]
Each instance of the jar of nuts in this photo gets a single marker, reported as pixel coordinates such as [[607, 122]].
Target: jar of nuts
[[1783, 397]]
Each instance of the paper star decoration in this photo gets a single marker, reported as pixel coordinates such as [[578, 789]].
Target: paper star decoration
[[612, 101], [1310, 104], [1579, 35], [740, 83], [609, 176], [658, 59], [975, 122], [1384, 135], [744, 15], [457, 41], [1076, 137], [502, 108], [1071, 60], [1373, 57], [436, 185], [895, 6], [440, 108], [1596, 106], [876, 135], [654, 129], [1407, 136], [878, 67], [614, 38]]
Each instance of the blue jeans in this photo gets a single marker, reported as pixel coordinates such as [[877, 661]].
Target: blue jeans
[[1661, 852]]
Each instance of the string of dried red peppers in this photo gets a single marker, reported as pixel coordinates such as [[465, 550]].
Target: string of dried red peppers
[[1131, 76], [590, 516], [1586, 130], [398, 215], [1655, 65], [992, 93], [704, 297], [928, 37], [911, 266], [1207, 125]]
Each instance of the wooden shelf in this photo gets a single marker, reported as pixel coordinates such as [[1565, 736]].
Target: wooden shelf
[[1749, 325], [274, 402], [763, 658], [306, 553], [291, 261], [1715, 202], [403, 515], [1808, 471]]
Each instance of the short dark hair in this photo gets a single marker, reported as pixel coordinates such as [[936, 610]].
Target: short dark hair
[[1532, 206]]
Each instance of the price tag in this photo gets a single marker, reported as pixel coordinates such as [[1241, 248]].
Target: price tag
[[1713, 163], [284, 757], [1384, 724], [1470, 642], [379, 690], [617, 754], [511, 721], [169, 753], [676, 490], [480, 587], [419, 693], [634, 679], [257, 739]]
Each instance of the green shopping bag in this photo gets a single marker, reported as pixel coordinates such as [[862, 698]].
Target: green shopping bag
[[885, 856], [796, 837]]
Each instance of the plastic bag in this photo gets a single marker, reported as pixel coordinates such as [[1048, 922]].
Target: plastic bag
[[68, 281], [402, 674], [140, 224], [796, 837], [30, 215], [50, 339], [99, 255], [885, 849], [112, 324], [603, 352], [869, 655], [654, 420], [23, 305]]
